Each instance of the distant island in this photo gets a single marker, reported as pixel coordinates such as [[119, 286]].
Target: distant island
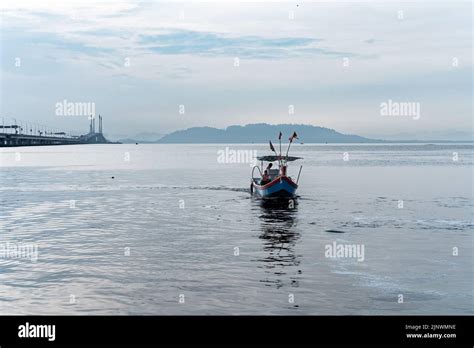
[[260, 133]]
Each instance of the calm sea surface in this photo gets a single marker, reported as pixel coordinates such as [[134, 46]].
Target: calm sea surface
[[169, 229]]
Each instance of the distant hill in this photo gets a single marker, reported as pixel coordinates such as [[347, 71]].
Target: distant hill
[[261, 133]]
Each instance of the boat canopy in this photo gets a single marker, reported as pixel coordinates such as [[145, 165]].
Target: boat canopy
[[273, 158]]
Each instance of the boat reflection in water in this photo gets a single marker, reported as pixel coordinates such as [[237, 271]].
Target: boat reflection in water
[[279, 235]]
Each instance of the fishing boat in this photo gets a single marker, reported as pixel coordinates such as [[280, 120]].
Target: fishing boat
[[275, 182]]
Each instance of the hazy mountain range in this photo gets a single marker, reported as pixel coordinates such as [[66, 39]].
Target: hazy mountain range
[[258, 133], [253, 133]]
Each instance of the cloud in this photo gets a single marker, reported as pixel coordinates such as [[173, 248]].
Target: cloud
[[215, 44]]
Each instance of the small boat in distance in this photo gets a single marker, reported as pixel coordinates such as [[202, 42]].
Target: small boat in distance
[[274, 183]]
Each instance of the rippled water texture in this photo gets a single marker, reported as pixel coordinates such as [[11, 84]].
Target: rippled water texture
[[127, 229]]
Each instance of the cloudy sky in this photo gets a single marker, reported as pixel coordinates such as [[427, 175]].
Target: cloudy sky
[[239, 63]]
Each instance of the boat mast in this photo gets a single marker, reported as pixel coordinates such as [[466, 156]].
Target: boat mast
[[279, 159]]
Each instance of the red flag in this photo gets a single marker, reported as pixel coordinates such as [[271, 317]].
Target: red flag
[[294, 136]]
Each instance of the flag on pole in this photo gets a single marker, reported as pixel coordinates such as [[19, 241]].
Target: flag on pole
[[271, 146], [294, 136], [279, 137]]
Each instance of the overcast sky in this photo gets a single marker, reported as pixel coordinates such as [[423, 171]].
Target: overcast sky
[[334, 62]]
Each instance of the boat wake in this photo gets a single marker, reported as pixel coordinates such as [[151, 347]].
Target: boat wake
[[205, 188], [213, 188]]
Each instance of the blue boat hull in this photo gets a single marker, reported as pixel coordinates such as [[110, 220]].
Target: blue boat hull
[[280, 187]]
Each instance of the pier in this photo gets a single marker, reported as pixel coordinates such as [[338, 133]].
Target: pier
[[12, 135]]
